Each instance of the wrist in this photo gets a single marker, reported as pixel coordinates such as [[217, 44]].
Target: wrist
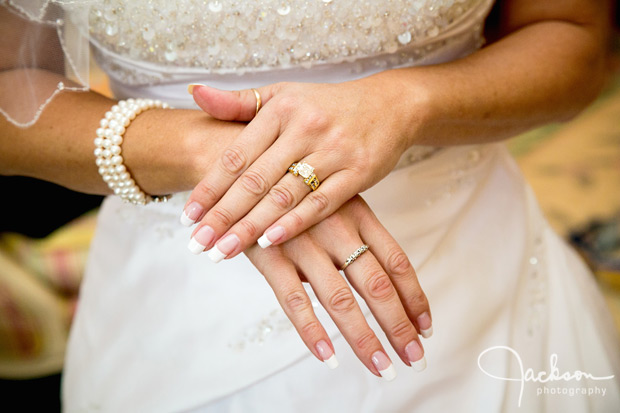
[[410, 102], [170, 151]]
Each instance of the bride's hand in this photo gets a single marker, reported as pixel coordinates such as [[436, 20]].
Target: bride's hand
[[349, 133], [382, 276]]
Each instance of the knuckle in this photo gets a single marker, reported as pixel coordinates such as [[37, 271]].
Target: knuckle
[[403, 329], [233, 160], [379, 286], [282, 197], [222, 216], [206, 193], [254, 183], [249, 227], [397, 263], [288, 103], [311, 329], [319, 201], [296, 301], [366, 341], [315, 119], [342, 301], [417, 300], [298, 221]]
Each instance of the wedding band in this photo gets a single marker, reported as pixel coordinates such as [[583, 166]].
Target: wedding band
[[259, 101], [307, 172], [354, 256]]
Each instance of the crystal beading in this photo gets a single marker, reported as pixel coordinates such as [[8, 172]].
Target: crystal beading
[[227, 36]]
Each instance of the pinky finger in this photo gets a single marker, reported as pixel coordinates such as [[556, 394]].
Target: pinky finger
[[282, 277]]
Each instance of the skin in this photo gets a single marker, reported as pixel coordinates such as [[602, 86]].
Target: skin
[[353, 134], [169, 151], [553, 51]]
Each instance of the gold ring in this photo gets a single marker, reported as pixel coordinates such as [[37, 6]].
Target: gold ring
[[354, 256], [306, 172], [259, 101]]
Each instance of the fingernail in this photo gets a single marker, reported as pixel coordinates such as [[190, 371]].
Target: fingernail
[[326, 353], [191, 213], [415, 354], [426, 325], [202, 238], [191, 86], [270, 236], [384, 365], [224, 247]]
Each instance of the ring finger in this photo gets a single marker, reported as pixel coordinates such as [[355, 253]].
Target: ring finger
[[337, 298], [226, 224]]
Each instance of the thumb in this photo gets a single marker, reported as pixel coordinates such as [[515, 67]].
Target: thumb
[[235, 105]]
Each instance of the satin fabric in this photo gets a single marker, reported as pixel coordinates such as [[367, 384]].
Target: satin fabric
[[161, 330]]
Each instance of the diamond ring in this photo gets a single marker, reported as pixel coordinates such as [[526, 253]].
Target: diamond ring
[[307, 172], [354, 256]]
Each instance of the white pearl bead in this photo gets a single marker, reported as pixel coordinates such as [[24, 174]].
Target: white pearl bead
[[108, 149]]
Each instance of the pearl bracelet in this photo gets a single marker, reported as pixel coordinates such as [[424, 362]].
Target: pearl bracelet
[[108, 150]]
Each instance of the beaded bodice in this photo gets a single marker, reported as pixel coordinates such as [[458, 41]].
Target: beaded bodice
[[224, 36]]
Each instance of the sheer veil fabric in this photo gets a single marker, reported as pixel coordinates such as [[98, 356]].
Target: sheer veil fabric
[[48, 38], [161, 330]]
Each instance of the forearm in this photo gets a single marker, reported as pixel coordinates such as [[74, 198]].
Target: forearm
[[543, 72], [165, 150]]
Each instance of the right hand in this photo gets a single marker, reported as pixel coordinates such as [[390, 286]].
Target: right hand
[[383, 276]]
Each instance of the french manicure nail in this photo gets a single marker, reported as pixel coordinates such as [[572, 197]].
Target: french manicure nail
[[384, 365], [415, 354], [426, 325], [270, 236], [224, 247], [191, 213], [201, 239], [191, 86], [326, 353]]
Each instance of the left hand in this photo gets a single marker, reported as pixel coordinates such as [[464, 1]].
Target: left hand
[[351, 133]]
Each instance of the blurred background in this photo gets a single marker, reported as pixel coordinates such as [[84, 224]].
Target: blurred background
[[574, 168]]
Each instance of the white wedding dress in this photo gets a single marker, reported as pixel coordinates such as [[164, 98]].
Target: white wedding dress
[[161, 330]]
